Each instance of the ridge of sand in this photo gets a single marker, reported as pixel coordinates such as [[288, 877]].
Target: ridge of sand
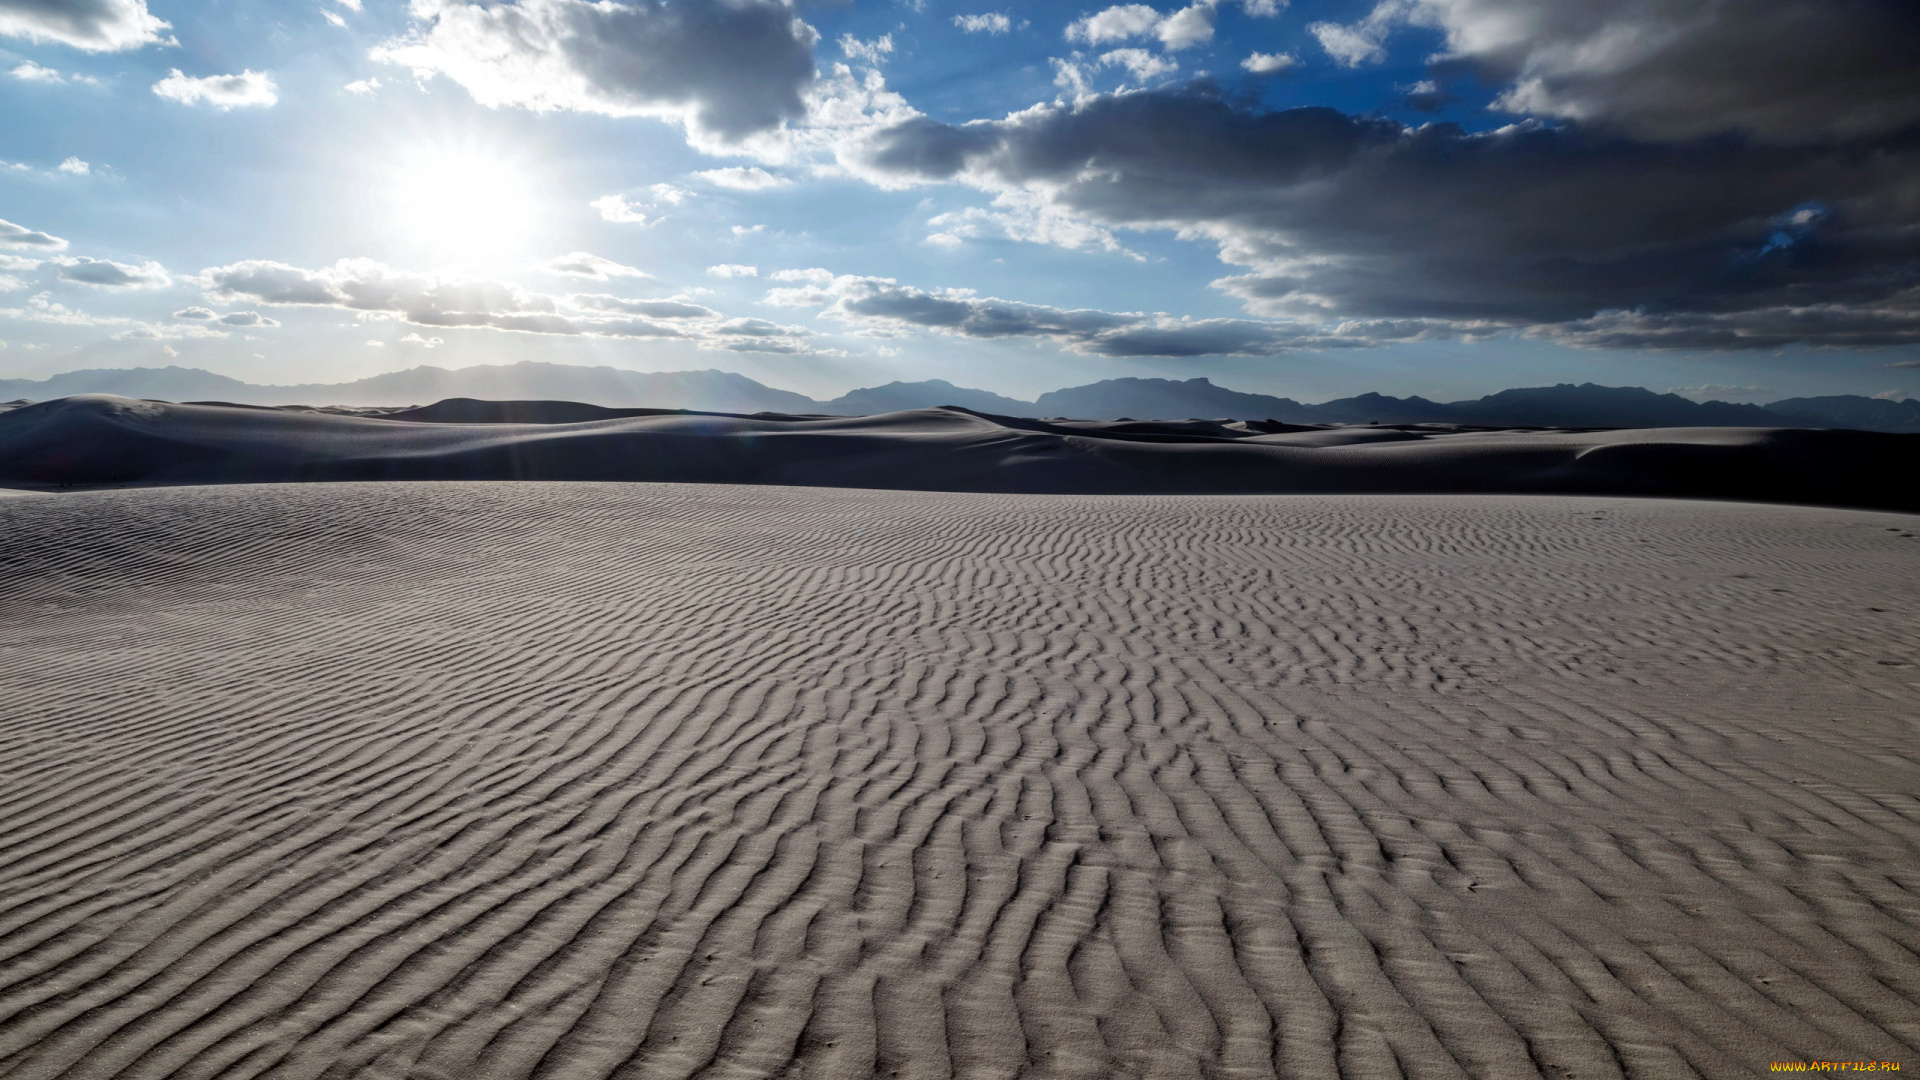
[[98, 439], [622, 780]]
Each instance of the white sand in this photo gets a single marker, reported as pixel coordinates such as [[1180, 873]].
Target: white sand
[[463, 781]]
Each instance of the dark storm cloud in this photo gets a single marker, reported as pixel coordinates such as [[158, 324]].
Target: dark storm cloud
[[726, 68], [1680, 69], [1343, 216], [93, 25]]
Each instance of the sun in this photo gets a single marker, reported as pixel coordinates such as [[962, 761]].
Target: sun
[[464, 202]]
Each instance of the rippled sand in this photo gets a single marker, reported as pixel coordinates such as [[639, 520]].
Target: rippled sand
[[585, 780]]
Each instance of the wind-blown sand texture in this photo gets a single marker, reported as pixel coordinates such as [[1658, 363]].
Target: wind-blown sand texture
[[472, 780], [98, 439]]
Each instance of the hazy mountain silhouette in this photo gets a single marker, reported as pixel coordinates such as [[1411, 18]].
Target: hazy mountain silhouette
[[1564, 405]]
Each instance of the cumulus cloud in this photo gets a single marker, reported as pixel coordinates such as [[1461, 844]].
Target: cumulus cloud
[[1676, 69], [885, 304], [1139, 63], [32, 72], [870, 51], [438, 301], [92, 25], [423, 342], [73, 166], [743, 178], [42, 308], [106, 273], [1183, 29], [1341, 216], [196, 313], [617, 208], [586, 265], [991, 22], [362, 87], [19, 236], [1269, 63], [725, 69], [247, 318], [249, 88], [731, 270]]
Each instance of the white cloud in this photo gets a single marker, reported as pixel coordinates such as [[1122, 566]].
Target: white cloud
[[669, 194], [221, 91], [743, 178], [247, 318], [195, 313], [1263, 9], [1140, 63], [439, 301], [108, 274], [1363, 41], [732, 270], [1269, 63], [1029, 218], [32, 72], [73, 166], [870, 51], [423, 342], [350, 5], [726, 70], [617, 209], [333, 18], [1718, 389], [1183, 29], [16, 262], [990, 23], [41, 308], [1890, 395], [748, 230], [583, 264], [170, 351], [17, 236], [372, 344], [362, 86], [91, 25], [1114, 24]]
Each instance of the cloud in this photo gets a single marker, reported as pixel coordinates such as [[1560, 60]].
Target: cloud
[[1140, 63], [1711, 389], [1675, 69], [652, 309], [195, 313], [333, 18], [106, 273], [1340, 216], [18, 236], [1269, 63], [247, 318], [73, 166], [423, 342], [443, 302], [363, 87], [1364, 41], [617, 209], [883, 303], [990, 23], [870, 51], [1890, 395], [724, 69], [583, 264], [1904, 364], [41, 308], [1183, 29], [32, 72], [743, 178], [90, 25], [249, 88], [731, 270]]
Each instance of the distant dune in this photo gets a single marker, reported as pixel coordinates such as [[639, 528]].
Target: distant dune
[[92, 440], [581, 781]]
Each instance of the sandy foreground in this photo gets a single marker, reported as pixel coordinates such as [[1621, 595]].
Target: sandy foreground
[[572, 780]]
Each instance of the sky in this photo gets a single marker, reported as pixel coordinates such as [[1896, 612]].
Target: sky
[[1317, 198]]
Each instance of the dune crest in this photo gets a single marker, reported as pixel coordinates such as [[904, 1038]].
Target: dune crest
[[100, 439]]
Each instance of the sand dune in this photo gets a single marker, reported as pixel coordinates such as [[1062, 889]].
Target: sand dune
[[100, 439], [588, 780]]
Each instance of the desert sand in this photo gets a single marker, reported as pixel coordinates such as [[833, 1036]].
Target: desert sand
[[475, 780], [100, 439]]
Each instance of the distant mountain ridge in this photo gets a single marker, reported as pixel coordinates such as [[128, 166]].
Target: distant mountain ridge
[[1564, 405]]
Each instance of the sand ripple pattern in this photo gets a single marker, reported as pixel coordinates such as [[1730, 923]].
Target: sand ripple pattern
[[463, 781]]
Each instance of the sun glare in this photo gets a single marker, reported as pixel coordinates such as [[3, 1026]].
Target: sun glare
[[464, 203]]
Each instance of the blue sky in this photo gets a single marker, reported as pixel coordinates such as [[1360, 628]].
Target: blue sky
[[1443, 197]]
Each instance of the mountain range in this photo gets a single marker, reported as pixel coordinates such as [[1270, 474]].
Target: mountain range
[[1563, 406]]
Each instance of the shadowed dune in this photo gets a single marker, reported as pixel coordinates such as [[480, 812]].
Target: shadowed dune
[[507, 780], [101, 440]]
